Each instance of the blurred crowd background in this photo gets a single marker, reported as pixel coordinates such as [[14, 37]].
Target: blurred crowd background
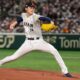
[[64, 13]]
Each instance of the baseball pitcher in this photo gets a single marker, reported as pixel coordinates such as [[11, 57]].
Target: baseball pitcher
[[34, 39]]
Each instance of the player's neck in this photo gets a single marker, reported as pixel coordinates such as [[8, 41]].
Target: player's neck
[[28, 15]]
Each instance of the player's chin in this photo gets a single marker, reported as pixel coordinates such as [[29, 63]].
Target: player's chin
[[31, 13]]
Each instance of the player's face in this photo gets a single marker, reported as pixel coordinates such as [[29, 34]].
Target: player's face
[[30, 10]]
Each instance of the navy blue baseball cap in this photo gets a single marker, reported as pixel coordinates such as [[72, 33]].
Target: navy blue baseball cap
[[31, 4]]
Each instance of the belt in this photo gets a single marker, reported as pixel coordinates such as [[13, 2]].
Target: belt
[[36, 38]]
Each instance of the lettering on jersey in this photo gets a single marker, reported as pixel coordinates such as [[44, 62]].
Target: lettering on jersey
[[28, 25]]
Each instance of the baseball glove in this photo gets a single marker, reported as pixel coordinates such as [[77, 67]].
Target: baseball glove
[[48, 27]]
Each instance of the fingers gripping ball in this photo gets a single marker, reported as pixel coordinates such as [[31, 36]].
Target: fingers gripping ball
[[48, 27]]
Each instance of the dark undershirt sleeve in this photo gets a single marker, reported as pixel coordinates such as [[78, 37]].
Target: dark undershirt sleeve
[[19, 19], [45, 19]]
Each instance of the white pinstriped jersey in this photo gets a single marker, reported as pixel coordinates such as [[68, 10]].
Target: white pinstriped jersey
[[31, 25]]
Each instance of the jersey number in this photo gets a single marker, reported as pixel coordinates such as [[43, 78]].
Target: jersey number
[[31, 29]]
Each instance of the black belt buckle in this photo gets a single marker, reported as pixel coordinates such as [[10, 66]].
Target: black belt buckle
[[33, 38], [30, 38], [37, 38]]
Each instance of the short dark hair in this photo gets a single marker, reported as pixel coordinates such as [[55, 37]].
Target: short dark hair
[[30, 4]]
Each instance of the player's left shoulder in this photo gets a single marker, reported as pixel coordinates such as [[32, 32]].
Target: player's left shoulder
[[36, 16]]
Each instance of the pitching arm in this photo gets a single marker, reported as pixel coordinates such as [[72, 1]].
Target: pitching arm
[[14, 23]]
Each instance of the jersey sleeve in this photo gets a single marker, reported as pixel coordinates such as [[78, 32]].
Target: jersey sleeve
[[19, 19], [42, 18], [36, 17]]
